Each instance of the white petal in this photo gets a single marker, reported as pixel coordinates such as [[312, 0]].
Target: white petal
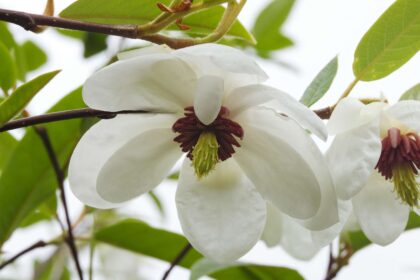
[[222, 215], [273, 226], [381, 215], [158, 82], [297, 240], [407, 112], [278, 171], [98, 144], [153, 49], [139, 166], [299, 140], [352, 157], [208, 98], [351, 113]]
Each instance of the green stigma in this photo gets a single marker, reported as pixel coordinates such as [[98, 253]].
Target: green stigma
[[405, 185], [205, 156]]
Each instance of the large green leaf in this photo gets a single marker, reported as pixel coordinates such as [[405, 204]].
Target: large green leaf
[[390, 42], [28, 178], [358, 240], [412, 94], [22, 95], [267, 27], [6, 37], [7, 146], [141, 12], [141, 238], [7, 69], [320, 85], [35, 57]]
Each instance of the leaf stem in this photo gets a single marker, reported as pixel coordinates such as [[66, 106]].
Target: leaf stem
[[38, 244], [177, 260]]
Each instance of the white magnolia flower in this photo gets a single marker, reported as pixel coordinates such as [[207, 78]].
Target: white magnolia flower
[[205, 101], [374, 160]]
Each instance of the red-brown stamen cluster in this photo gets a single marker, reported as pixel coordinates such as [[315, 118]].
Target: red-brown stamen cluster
[[398, 150], [190, 128]]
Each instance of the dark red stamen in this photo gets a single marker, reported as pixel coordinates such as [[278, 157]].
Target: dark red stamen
[[397, 150], [190, 128]]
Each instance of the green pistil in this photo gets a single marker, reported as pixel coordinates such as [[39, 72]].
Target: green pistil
[[405, 185], [205, 155]]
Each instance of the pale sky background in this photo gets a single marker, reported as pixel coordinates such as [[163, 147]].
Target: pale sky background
[[321, 29]]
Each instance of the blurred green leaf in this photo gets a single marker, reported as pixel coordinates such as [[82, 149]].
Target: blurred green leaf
[[320, 85], [22, 95], [412, 94], [157, 202], [28, 179], [35, 56], [174, 176], [7, 146], [93, 43], [139, 237], [6, 37], [392, 40], [267, 27], [53, 267], [7, 69], [46, 211], [205, 267], [358, 240], [141, 12]]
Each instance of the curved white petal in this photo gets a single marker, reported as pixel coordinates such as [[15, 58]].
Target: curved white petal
[[158, 82], [273, 226], [381, 215], [352, 157], [222, 215], [152, 49], [279, 172], [351, 113], [139, 166], [208, 98], [98, 144], [407, 112], [287, 130]]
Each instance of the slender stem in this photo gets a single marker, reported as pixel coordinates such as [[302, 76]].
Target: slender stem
[[42, 132], [65, 115], [349, 89], [34, 246], [177, 260]]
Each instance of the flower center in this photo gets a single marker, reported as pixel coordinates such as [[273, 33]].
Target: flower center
[[400, 162], [206, 145]]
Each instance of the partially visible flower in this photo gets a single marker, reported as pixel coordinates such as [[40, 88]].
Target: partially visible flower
[[245, 143], [374, 160]]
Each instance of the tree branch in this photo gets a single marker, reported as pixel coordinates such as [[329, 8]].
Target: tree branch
[[177, 260], [42, 132], [34, 246]]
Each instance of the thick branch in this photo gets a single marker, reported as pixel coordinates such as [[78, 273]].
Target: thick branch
[[32, 22], [60, 180], [34, 246], [64, 115], [177, 260]]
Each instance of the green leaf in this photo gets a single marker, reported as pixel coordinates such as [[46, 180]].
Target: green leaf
[[267, 27], [141, 12], [141, 238], [6, 37], [7, 145], [7, 69], [94, 43], [320, 85], [157, 202], [390, 42], [22, 95], [35, 56], [412, 94], [28, 179], [45, 212], [54, 267], [205, 267], [358, 240]]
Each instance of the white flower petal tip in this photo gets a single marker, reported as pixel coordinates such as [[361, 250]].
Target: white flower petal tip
[[273, 227], [407, 112], [380, 214], [208, 98], [222, 215], [154, 49], [138, 166]]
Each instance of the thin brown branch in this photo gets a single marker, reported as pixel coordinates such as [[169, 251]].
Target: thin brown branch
[[42, 132], [324, 113], [65, 115], [335, 264], [177, 260], [34, 246]]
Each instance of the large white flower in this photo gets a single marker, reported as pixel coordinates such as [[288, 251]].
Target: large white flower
[[374, 160], [246, 144]]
